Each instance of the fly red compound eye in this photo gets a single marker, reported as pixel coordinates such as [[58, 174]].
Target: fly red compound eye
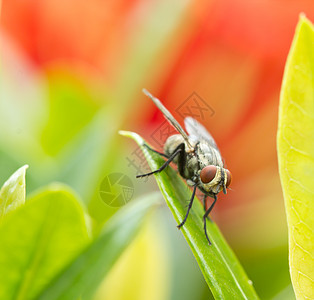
[[208, 173], [229, 178]]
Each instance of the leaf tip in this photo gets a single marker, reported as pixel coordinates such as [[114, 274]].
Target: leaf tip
[[124, 132], [304, 22], [133, 136], [25, 167]]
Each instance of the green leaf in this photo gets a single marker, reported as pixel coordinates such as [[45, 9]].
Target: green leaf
[[12, 193], [37, 240], [295, 143], [221, 269], [87, 270]]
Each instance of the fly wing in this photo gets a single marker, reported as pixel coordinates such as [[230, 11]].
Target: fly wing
[[169, 117], [198, 132]]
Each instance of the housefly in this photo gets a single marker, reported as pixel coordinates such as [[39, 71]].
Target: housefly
[[197, 157]]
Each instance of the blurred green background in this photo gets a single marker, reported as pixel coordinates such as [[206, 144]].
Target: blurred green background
[[71, 76]]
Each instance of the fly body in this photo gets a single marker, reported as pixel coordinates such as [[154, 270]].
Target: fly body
[[197, 157]]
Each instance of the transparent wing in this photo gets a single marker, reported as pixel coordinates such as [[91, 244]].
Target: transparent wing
[[169, 117], [198, 132]]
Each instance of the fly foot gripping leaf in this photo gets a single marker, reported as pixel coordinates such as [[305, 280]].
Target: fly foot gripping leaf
[[295, 142]]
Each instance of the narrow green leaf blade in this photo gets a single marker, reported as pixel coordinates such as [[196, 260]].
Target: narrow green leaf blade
[[295, 143], [37, 240], [87, 270], [221, 269], [12, 193]]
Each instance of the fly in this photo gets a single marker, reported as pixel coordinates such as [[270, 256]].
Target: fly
[[197, 157]]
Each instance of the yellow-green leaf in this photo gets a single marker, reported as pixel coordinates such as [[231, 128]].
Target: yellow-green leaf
[[146, 262], [296, 157], [12, 193]]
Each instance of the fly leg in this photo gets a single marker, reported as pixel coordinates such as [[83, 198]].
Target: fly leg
[[205, 216], [176, 152], [189, 208], [204, 205], [204, 202], [160, 153]]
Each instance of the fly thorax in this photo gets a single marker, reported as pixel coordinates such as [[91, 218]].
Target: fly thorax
[[191, 165], [208, 155]]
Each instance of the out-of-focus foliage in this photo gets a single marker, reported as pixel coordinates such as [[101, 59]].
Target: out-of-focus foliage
[[148, 256], [37, 240], [45, 249], [83, 275], [221, 269], [296, 157]]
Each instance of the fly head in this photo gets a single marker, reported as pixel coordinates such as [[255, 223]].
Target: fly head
[[215, 179]]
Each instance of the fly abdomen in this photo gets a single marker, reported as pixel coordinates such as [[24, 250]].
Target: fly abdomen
[[171, 144]]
